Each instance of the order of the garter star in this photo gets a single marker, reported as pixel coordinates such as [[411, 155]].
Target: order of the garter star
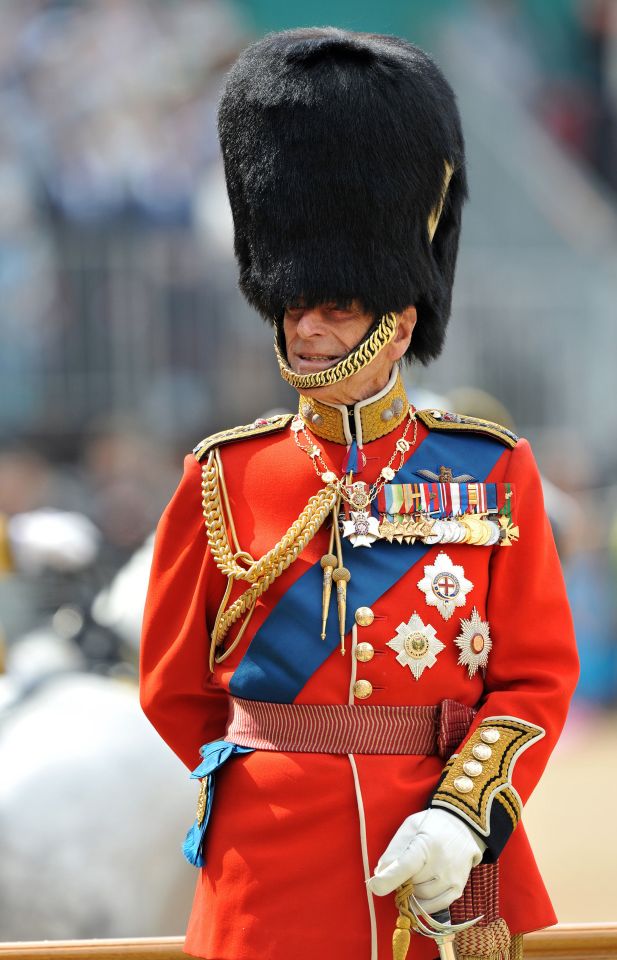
[[445, 585]]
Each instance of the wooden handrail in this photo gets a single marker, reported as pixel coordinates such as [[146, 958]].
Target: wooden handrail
[[567, 941]]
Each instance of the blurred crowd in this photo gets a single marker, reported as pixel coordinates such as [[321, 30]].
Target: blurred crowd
[[561, 59], [578, 98], [108, 107], [112, 211], [108, 171]]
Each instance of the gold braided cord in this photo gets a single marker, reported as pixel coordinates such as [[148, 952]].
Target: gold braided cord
[[359, 358], [232, 529], [259, 573], [248, 598], [225, 559]]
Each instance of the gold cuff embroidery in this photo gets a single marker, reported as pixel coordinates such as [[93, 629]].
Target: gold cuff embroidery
[[482, 771]]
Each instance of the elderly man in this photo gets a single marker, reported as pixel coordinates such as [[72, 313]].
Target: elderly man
[[356, 612]]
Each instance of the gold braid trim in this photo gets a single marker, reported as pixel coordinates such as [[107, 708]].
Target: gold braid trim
[[325, 420], [261, 573], [444, 420], [359, 358], [259, 427]]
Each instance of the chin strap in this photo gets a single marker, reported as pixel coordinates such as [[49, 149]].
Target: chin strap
[[360, 357]]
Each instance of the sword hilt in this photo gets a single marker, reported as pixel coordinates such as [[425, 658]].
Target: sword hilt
[[445, 942]]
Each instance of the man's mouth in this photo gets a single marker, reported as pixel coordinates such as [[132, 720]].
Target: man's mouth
[[319, 358]]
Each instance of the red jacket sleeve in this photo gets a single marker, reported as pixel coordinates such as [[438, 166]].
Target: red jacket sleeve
[[531, 673], [176, 688]]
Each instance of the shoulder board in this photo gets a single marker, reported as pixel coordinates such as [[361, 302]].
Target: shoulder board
[[443, 420], [258, 428]]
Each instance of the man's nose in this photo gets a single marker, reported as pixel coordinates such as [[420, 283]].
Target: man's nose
[[311, 322]]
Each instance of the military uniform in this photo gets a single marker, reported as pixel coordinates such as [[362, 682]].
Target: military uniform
[[293, 836], [345, 168]]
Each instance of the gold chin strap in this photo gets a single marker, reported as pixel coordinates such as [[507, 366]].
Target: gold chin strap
[[359, 358]]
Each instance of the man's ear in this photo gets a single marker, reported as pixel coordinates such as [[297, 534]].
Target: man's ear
[[402, 338]]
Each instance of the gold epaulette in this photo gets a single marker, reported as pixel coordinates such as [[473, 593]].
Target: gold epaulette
[[443, 420], [259, 427]]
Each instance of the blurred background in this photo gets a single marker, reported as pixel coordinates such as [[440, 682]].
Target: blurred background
[[124, 341]]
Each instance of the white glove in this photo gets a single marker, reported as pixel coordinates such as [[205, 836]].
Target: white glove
[[56, 539], [436, 851]]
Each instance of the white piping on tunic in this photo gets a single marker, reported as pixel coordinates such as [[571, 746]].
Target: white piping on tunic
[[357, 408], [354, 663], [360, 804], [367, 872]]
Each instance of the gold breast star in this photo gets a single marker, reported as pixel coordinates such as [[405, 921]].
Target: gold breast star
[[416, 645]]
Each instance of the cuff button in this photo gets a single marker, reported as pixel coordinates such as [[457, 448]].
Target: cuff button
[[490, 735], [472, 768], [463, 785]]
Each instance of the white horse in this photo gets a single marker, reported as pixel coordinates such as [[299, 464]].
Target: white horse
[[93, 807]]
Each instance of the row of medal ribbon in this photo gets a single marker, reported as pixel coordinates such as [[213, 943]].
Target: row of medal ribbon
[[445, 500]]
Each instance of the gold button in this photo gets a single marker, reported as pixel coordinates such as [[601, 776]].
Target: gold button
[[463, 785], [490, 735], [473, 768], [364, 616], [365, 652], [362, 689]]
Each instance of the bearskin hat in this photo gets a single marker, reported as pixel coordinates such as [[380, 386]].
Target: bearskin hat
[[335, 147]]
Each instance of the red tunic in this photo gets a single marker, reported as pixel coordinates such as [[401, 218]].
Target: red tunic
[[294, 836]]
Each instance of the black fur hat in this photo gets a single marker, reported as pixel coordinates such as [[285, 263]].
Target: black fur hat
[[335, 146]]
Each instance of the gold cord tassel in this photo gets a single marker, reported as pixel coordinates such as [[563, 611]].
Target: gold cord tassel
[[341, 577], [401, 938], [328, 564], [404, 922]]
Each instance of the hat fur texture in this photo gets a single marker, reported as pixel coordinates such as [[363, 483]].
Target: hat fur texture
[[335, 146]]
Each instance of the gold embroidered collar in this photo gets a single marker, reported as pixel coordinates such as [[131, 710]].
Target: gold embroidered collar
[[369, 419]]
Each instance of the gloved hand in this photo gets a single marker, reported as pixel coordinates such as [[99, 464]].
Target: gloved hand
[[436, 851]]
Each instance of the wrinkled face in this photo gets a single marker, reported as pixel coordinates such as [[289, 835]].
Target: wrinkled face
[[319, 337]]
